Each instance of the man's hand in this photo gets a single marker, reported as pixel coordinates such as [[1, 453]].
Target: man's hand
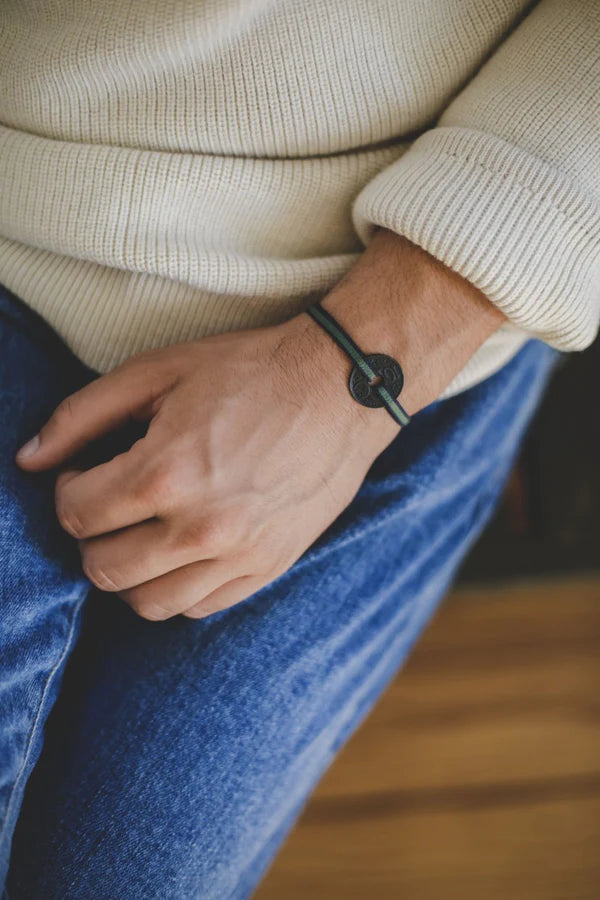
[[254, 444]]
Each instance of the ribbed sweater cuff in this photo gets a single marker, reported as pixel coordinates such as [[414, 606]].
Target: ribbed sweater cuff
[[507, 221]]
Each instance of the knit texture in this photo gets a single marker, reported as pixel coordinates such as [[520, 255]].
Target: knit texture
[[173, 170]]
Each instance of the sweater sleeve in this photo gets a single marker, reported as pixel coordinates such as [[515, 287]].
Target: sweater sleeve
[[505, 189]]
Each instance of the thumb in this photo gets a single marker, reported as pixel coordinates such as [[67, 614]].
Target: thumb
[[131, 390]]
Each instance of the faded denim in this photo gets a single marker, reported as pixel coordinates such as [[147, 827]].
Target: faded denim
[[177, 755]]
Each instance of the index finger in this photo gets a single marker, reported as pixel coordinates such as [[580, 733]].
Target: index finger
[[109, 401]]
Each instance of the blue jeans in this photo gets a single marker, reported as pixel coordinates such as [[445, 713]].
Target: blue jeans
[[169, 760]]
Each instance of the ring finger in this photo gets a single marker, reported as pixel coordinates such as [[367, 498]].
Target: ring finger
[[180, 589]]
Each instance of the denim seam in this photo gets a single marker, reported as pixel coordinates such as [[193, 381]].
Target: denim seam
[[36, 721]]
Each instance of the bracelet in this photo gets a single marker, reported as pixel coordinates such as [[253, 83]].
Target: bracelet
[[376, 379]]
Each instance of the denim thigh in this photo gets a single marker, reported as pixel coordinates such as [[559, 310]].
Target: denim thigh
[[179, 753], [41, 583]]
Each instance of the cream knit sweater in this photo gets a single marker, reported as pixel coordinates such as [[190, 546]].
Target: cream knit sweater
[[175, 168]]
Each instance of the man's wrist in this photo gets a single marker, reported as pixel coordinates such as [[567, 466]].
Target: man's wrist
[[400, 300]]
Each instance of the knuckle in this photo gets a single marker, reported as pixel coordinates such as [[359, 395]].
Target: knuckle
[[145, 609], [156, 367], [98, 574], [68, 520], [211, 535], [163, 483]]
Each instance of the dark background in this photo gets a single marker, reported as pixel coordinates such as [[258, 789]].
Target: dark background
[[549, 519]]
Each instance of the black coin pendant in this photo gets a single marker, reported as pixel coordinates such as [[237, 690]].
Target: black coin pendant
[[387, 370]]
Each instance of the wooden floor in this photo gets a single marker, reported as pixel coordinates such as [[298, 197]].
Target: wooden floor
[[478, 774]]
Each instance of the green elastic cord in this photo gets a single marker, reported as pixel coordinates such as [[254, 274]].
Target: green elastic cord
[[332, 327]]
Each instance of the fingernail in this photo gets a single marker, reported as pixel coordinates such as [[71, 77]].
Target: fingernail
[[29, 448]]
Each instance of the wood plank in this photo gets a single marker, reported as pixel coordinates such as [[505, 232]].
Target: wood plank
[[478, 773], [546, 851]]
